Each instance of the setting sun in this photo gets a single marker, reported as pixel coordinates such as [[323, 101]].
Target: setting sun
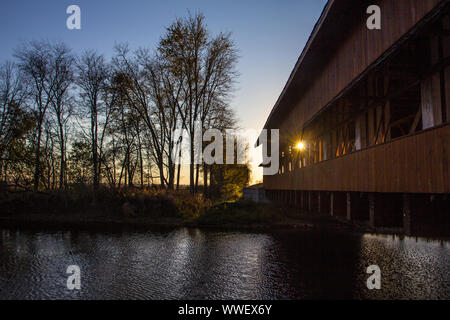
[[300, 146]]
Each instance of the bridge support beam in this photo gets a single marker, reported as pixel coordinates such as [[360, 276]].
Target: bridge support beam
[[302, 200], [385, 210], [295, 198], [309, 201], [331, 203], [349, 205], [357, 206], [324, 202], [406, 215], [314, 201], [339, 204]]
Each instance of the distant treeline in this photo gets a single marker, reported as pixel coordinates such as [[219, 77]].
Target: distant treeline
[[79, 119]]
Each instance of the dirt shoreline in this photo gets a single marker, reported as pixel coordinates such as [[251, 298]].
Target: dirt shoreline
[[55, 222], [38, 221]]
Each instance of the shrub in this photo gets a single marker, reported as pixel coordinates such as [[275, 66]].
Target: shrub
[[190, 206]]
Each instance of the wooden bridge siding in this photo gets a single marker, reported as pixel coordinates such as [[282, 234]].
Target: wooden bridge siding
[[413, 164], [360, 49]]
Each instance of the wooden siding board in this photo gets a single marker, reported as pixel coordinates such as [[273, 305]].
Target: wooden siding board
[[414, 164], [446, 158], [437, 163]]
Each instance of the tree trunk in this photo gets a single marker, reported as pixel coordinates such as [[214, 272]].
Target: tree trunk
[[37, 168], [197, 169], [141, 162], [205, 180], [178, 175], [94, 132], [1, 166], [62, 172], [191, 166]]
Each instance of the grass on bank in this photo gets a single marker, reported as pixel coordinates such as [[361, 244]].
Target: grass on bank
[[241, 212]]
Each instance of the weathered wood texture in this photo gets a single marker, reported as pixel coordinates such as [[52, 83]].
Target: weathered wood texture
[[413, 164], [351, 55]]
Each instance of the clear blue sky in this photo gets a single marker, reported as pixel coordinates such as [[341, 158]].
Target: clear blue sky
[[269, 35]]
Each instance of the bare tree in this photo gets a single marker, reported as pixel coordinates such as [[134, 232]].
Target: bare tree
[[92, 79], [142, 89], [35, 60], [127, 110], [15, 120], [62, 66], [206, 67], [165, 91]]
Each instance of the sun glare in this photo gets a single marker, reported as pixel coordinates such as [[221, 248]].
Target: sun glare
[[300, 146]]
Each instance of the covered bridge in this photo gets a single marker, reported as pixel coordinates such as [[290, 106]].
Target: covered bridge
[[371, 108]]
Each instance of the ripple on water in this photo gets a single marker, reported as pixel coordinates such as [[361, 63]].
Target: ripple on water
[[195, 264]]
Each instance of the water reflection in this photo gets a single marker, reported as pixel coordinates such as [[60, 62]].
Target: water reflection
[[195, 264]]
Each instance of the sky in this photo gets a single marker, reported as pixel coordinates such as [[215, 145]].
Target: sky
[[269, 36]]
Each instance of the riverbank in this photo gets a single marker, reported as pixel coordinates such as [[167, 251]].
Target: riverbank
[[149, 209], [145, 208], [102, 223], [105, 223], [240, 215]]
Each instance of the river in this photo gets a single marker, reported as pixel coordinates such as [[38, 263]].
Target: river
[[205, 264]]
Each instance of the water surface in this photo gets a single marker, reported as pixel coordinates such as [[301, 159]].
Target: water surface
[[198, 264]]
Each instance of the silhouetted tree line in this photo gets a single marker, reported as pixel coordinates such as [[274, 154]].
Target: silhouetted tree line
[[69, 119]]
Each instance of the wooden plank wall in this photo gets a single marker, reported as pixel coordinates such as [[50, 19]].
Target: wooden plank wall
[[413, 164], [360, 49]]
